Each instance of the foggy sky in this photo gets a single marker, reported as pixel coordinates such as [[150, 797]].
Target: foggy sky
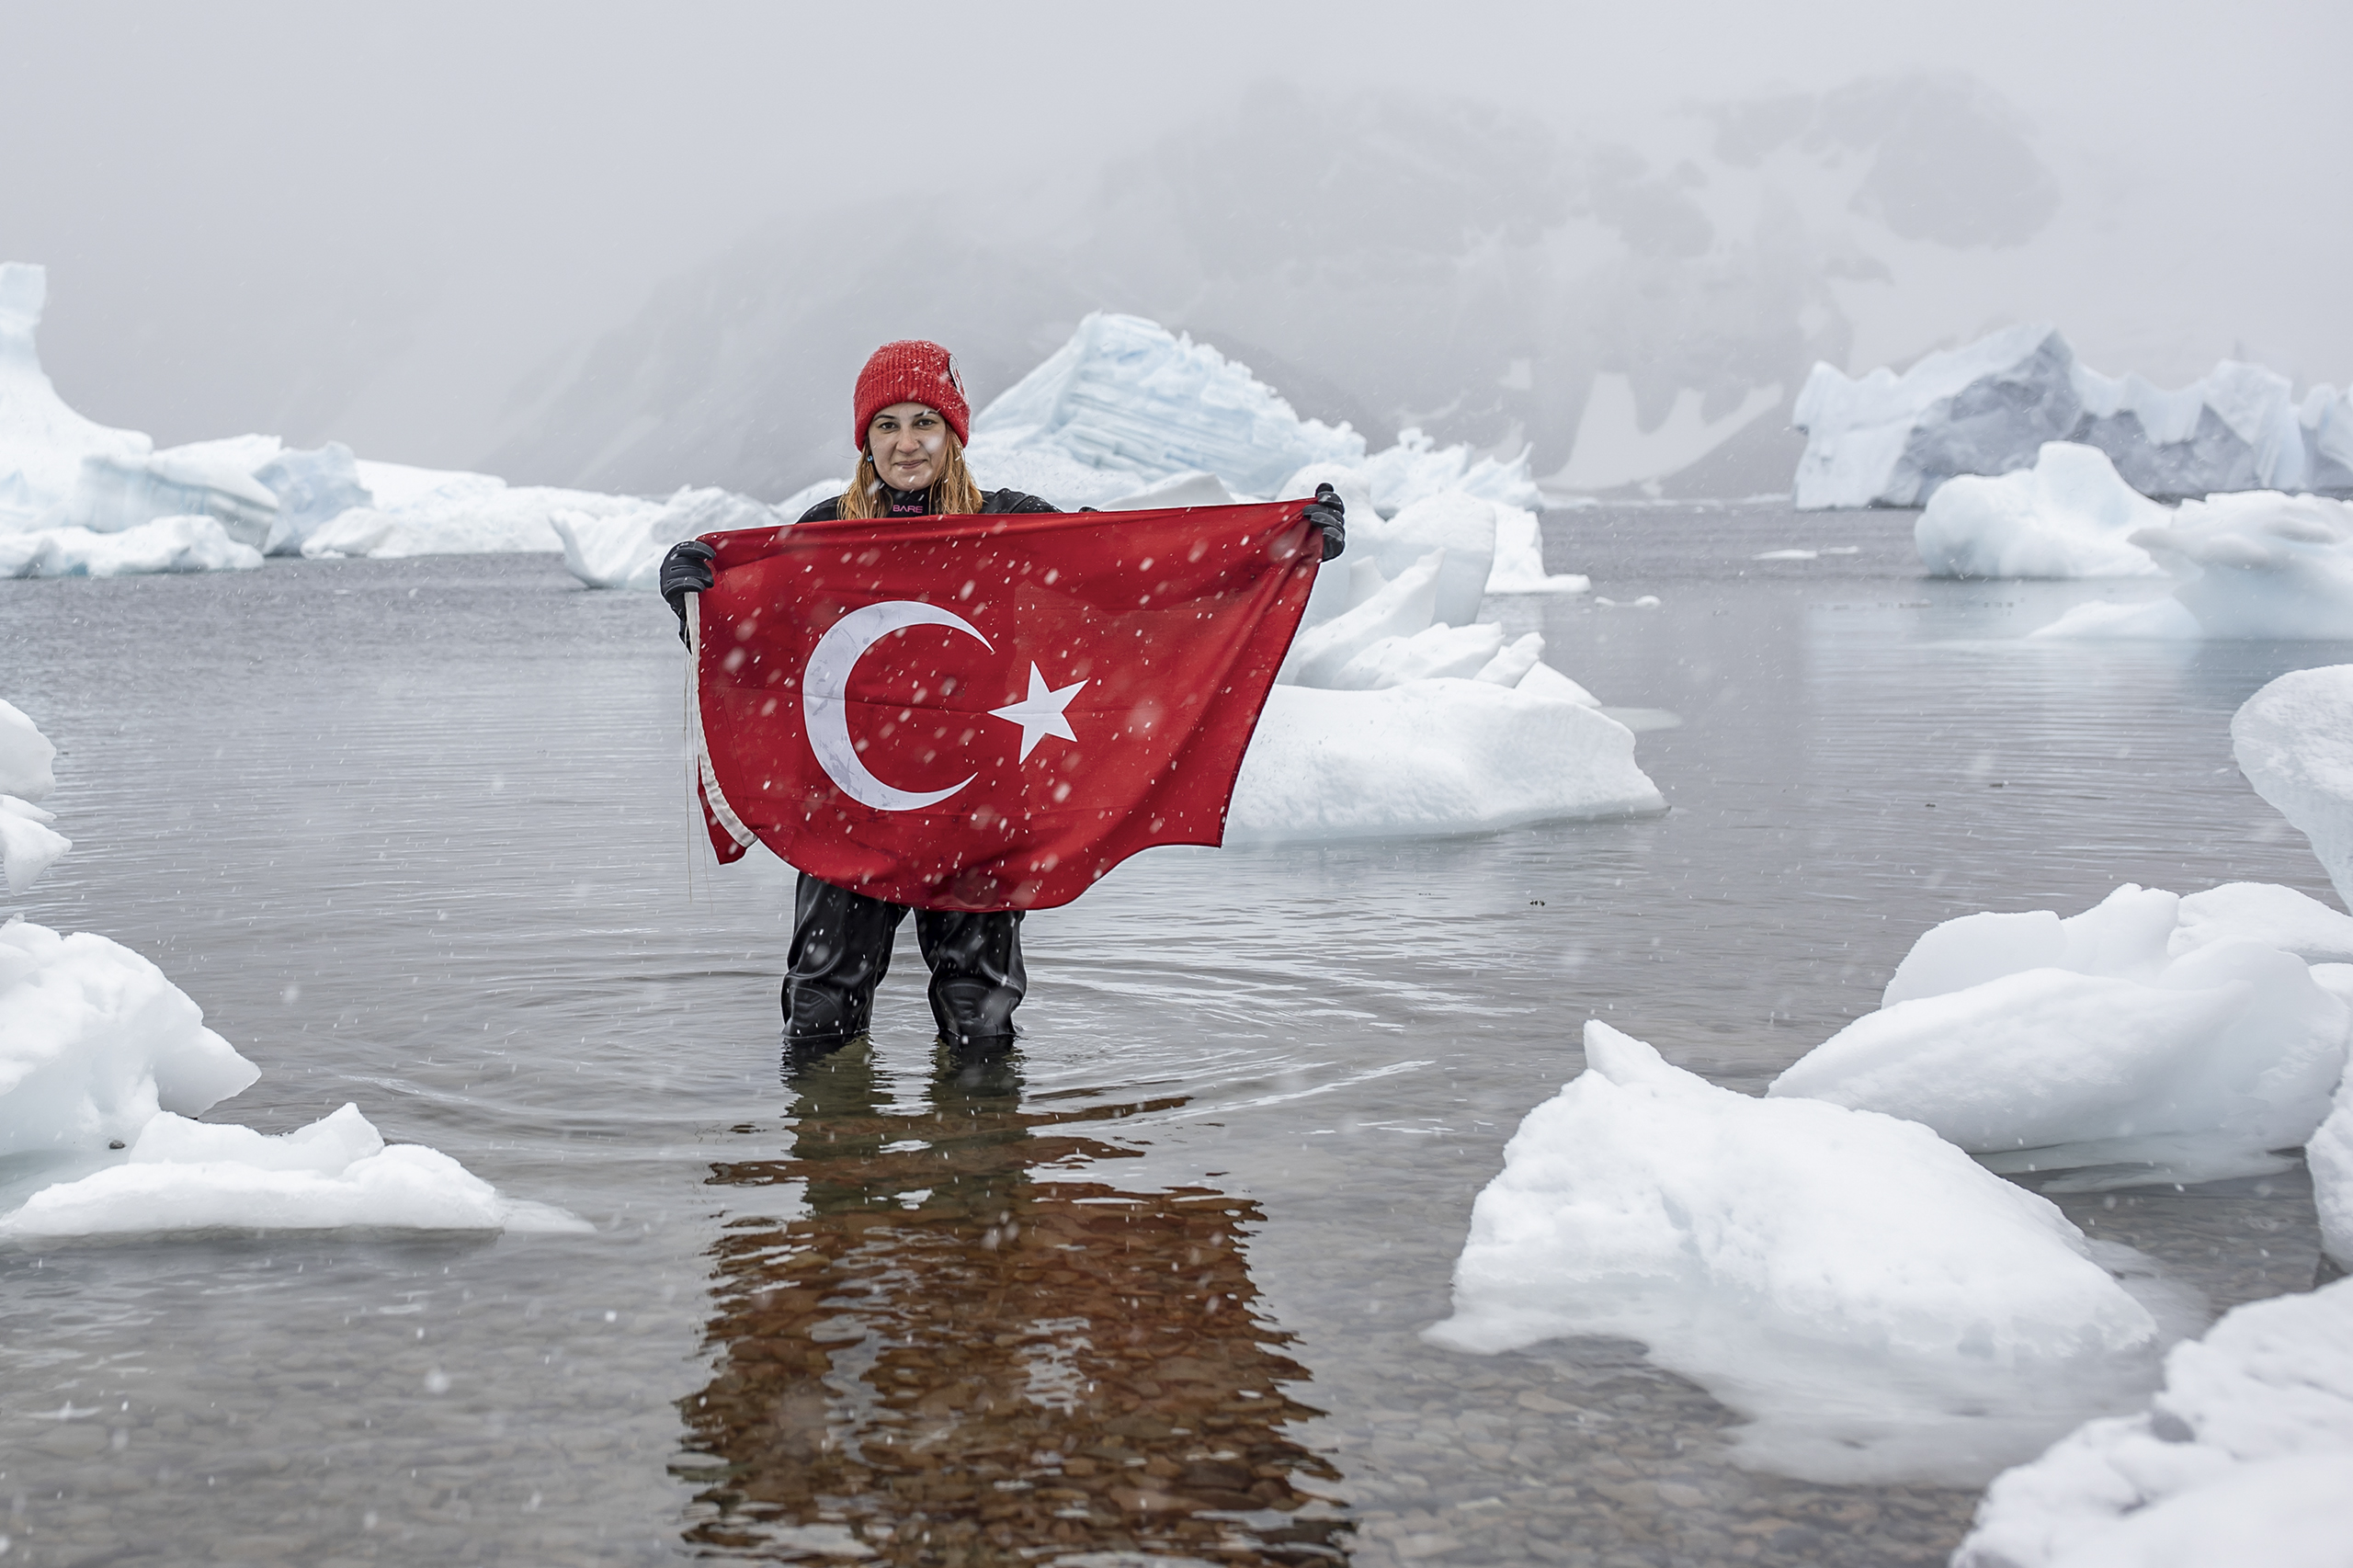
[[369, 223]]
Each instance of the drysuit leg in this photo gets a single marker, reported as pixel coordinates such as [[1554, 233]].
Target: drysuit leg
[[976, 974], [841, 949]]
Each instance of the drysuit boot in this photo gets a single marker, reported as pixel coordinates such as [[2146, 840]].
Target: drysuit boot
[[841, 949]]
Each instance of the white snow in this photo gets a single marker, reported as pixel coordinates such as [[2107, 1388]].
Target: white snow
[[95, 1041], [2045, 1044], [42, 442], [2069, 516], [1877, 1305], [1431, 757], [625, 549], [337, 1171], [1885, 439], [2245, 1456], [2294, 742], [165, 544], [29, 845], [1125, 396]]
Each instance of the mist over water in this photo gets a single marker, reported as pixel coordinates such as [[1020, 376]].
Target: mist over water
[[605, 246]]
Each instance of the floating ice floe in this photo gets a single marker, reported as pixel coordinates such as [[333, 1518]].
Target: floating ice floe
[[2245, 1456], [165, 545], [338, 1172], [2130, 1043], [2069, 516], [1890, 440], [28, 846], [102, 1061], [2294, 742], [2254, 565], [1876, 1304]]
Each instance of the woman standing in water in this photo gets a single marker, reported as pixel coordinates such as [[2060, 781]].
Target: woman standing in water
[[911, 423]]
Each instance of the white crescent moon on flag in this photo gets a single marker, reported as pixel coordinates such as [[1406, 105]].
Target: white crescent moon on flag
[[825, 699]]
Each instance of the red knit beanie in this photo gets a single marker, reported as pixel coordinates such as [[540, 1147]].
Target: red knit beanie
[[912, 371]]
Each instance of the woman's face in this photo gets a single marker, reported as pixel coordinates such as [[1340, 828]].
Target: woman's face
[[909, 443]]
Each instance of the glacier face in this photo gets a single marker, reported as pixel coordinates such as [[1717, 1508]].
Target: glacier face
[[1888, 440]]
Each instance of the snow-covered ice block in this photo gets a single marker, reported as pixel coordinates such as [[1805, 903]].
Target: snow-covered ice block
[[2294, 742], [2260, 564], [113, 492], [1891, 440], [2069, 516], [1400, 608], [2245, 1456], [2265, 913], [625, 550], [1461, 527], [26, 756], [95, 1041], [2042, 1044], [1124, 395], [1879, 1306], [313, 488], [1543, 680], [2329, 1156], [42, 441], [1051, 474], [1519, 558], [1516, 661], [29, 845], [1428, 758], [1430, 654], [167, 544], [1197, 489], [338, 1172], [1416, 468]]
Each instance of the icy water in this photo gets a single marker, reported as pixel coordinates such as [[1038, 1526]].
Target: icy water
[[416, 835]]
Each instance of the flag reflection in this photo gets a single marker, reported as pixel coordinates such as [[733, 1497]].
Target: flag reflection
[[954, 1357]]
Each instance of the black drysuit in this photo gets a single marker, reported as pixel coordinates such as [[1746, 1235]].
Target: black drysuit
[[841, 939]]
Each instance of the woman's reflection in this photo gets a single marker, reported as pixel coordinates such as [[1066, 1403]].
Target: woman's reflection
[[954, 1357]]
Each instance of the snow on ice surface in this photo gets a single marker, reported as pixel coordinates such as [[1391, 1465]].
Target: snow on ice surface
[[42, 442], [1875, 1303], [1125, 396], [2245, 1456], [166, 544], [1429, 758], [29, 845], [95, 1041], [2069, 516], [2329, 1156], [625, 549], [337, 1171], [2043, 1044], [2254, 565], [1890, 440], [2294, 742]]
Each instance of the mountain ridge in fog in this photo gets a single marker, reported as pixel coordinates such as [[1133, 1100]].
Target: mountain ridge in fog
[[1388, 258]]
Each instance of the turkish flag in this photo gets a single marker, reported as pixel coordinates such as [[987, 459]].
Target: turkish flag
[[984, 712]]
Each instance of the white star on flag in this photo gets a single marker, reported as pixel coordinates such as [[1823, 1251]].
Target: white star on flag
[[1040, 712]]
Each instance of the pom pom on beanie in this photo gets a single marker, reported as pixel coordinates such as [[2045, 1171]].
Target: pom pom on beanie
[[912, 371]]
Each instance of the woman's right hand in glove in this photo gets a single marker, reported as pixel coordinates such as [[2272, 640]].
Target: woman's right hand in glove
[[686, 570]]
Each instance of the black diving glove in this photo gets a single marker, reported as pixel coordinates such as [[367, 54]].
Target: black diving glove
[[686, 570], [1327, 512]]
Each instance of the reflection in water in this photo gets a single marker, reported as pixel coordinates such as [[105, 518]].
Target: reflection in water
[[952, 1357]]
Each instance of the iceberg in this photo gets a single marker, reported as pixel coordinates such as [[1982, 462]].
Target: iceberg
[[114, 493], [2115, 1043], [2069, 516], [447, 512], [42, 442], [338, 1172], [625, 549], [1875, 1304], [29, 845], [2258, 565], [166, 544], [1126, 396], [2245, 1455], [312, 488], [1889, 440], [2294, 742], [2329, 1157]]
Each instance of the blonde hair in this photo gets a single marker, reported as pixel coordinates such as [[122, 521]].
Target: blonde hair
[[953, 493]]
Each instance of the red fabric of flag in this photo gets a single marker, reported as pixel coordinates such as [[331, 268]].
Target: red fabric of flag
[[989, 711]]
